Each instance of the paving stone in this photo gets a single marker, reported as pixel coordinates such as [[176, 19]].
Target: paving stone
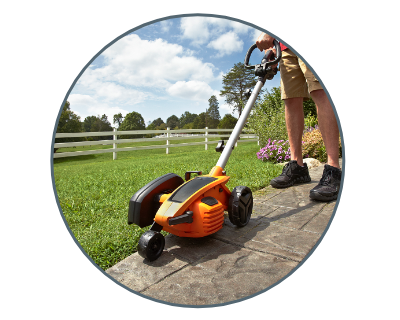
[[295, 218], [266, 194], [228, 274], [279, 240], [294, 197], [319, 223], [262, 209], [137, 273], [230, 232], [191, 249]]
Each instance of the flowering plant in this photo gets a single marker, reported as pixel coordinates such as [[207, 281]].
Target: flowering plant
[[309, 129], [313, 145], [276, 151]]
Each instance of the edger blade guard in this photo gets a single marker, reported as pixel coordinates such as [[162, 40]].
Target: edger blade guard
[[144, 203]]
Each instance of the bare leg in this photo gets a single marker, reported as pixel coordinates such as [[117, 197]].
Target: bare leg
[[295, 125], [328, 126]]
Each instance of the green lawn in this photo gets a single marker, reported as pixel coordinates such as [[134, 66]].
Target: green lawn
[[94, 190]]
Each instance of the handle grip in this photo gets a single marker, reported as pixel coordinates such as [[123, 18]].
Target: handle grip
[[269, 63]]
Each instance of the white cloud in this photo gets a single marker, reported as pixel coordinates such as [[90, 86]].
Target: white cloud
[[85, 105], [193, 90], [165, 25], [226, 108], [195, 29], [224, 24], [220, 34], [201, 29], [137, 62], [226, 44], [79, 99], [142, 63]]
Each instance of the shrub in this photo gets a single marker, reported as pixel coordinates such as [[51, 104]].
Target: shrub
[[275, 151], [313, 145], [268, 126], [267, 119]]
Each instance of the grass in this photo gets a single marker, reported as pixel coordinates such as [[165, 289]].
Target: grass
[[94, 190]]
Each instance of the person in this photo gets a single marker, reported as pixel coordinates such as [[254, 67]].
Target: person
[[297, 84]]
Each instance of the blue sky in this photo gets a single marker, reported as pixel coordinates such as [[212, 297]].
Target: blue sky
[[165, 68]]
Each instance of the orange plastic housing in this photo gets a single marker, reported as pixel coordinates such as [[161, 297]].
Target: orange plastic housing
[[206, 219]]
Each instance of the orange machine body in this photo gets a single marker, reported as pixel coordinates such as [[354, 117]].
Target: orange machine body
[[208, 217]]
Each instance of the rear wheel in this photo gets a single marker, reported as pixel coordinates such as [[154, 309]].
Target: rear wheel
[[151, 245], [240, 206]]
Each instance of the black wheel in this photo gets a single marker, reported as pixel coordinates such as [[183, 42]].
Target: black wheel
[[240, 206], [151, 245]]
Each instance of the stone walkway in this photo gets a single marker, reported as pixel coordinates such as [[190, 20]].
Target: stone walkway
[[233, 263]]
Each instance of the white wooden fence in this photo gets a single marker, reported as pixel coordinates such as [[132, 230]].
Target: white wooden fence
[[167, 135]]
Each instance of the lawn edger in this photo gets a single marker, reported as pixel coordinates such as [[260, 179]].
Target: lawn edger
[[195, 207]]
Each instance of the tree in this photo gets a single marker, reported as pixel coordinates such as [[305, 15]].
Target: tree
[[200, 121], [151, 126], [173, 122], [227, 122], [186, 118], [158, 122], [132, 121], [97, 124], [189, 125], [213, 116], [162, 126], [69, 122], [118, 118], [88, 123], [235, 83], [102, 124]]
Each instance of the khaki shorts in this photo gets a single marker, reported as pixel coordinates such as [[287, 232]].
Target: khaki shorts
[[296, 79]]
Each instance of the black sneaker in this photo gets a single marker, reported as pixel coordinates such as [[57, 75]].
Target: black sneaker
[[328, 187], [292, 174]]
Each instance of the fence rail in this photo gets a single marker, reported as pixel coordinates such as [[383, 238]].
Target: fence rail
[[164, 135]]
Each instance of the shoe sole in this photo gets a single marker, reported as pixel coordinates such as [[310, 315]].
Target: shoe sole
[[291, 183], [320, 197]]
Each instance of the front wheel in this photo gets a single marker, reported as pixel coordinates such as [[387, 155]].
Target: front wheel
[[240, 206], [151, 245]]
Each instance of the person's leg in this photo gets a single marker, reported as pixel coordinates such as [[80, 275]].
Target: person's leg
[[294, 90], [326, 118], [329, 185], [295, 125], [328, 126]]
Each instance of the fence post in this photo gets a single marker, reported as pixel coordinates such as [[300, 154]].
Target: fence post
[[206, 134], [258, 140], [115, 145], [168, 135]]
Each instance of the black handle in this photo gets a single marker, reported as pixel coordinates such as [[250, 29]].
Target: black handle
[[187, 174], [269, 63]]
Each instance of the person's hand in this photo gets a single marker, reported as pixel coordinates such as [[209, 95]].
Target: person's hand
[[265, 42]]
